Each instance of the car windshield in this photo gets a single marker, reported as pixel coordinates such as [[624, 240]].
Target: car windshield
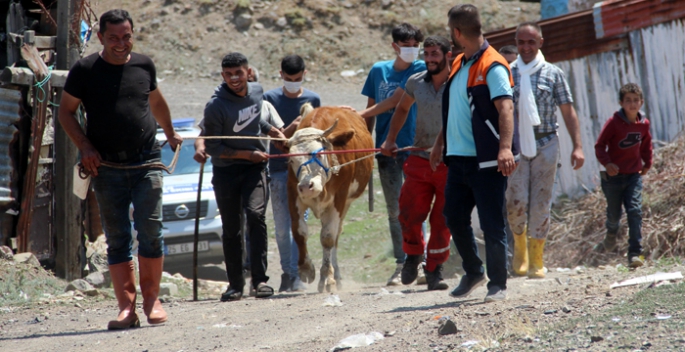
[[185, 164]]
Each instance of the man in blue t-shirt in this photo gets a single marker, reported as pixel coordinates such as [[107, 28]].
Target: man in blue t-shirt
[[287, 100], [384, 87]]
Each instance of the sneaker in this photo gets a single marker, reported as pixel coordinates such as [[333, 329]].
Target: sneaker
[[286, 283], [231, 294], [434, 279], [421, 279], [495, 294], [394, 280], [410, 269], [296, 285], [467, 285], [635, 260]]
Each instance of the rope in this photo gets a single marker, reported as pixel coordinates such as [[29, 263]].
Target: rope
[[336, 168], [40, 85], [158, 165]]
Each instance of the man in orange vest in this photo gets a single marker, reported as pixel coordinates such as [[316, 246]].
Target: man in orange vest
[[478, 143]]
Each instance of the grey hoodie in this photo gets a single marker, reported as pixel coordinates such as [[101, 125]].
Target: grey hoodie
[[227, 114]]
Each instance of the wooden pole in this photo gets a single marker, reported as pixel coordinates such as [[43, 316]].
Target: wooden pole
[[41, 97], [198, 207], [68, 209]]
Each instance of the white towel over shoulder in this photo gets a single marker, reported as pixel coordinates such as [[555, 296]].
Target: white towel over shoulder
[[528, 109]]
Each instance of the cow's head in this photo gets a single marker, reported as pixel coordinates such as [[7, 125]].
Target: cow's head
[[314, 170]]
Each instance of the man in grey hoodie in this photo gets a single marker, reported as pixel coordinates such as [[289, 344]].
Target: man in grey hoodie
[[239, 168]]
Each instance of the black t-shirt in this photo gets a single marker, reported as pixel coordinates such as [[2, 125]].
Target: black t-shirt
[[116, 98]]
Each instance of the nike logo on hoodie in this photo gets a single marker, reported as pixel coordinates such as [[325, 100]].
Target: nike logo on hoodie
[[245, 117]]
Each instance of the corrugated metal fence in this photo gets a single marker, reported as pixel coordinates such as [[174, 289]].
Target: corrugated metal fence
[[655, 59]]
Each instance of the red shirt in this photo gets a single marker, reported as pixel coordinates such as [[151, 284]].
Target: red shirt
[[626, 144]]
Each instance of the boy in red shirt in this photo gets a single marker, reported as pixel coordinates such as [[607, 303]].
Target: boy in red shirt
[[624, 147]]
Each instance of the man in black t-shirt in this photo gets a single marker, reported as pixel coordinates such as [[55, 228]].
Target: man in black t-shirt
[[118, 89]]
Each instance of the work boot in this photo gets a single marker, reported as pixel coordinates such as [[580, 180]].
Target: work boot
[[410, 269], [124, 282], [519, 263], [608, 244], [536, 269], [150, 276], [394, 279], [434, 279]]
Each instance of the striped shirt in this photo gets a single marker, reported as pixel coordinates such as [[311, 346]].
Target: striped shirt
[[551, 90]]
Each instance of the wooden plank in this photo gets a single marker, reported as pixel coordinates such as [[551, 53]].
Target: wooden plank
[[45, 42], [24, 77]]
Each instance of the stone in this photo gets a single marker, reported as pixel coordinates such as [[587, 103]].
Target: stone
[[97, 263], [386, 3], [258, 26], [79, 285], [550, 311], [566, 309], [6, 253], [596, 338], [27, 258], [243, 21], [281, 22], [448, 327], [99, 279], [168, 289]]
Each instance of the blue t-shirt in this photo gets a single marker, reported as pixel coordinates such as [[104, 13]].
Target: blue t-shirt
[[460, 139], [380, 85], [289, 110]]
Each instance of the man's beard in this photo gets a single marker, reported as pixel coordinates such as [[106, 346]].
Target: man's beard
[[441, 66]]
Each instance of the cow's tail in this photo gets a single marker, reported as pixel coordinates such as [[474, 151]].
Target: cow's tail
[[306, 109]]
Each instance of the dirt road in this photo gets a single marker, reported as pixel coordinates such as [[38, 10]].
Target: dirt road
[[299, 322]]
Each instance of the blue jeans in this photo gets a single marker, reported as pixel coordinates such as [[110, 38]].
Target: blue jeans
[[287, 248], [466, 187], [392, 177], [115, 191], [624, 189]]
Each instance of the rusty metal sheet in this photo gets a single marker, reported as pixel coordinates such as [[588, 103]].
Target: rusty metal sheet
[[566, 37], [616, 17], [10, 112]]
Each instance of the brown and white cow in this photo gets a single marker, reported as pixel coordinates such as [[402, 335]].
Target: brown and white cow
[[314, 184]]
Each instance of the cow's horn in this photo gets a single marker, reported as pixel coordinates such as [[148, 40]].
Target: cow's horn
[[306, 109], [330, 129]]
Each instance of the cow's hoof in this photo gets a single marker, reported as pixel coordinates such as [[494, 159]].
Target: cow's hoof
[[307, 271], [330, 286]]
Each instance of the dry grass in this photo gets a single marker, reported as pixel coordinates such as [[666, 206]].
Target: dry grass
[[579, 224]]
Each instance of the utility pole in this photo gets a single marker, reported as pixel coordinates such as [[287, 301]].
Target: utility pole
[[68, 209]]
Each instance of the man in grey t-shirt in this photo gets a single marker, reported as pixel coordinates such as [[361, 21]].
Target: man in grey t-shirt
[[422, 184]]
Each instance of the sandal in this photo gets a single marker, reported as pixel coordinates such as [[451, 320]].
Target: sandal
[[263, 290]]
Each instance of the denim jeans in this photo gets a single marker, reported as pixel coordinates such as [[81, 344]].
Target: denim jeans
[[466, 187], [241, 187], [392, 176], [115, 191], [624, 189], [287, 248]]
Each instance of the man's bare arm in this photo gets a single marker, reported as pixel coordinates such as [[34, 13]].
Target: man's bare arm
[[573, 127], [160, 110], [90, 158], [385, 105], [505, 159], [399, 117]]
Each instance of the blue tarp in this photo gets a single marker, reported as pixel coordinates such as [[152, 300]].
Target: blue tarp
[[553, 8]]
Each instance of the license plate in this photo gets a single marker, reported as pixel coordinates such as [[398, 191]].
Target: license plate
[[180, 248]]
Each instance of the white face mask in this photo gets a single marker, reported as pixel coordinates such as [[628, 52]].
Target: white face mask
[[408, 55], [292, 87]]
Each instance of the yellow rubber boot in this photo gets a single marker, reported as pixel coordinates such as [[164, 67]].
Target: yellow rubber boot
[[520, 262], [536, 248]]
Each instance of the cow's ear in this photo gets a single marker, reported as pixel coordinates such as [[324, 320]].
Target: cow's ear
[[340, 139]]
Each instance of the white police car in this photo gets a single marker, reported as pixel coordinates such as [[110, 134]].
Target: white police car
[[179, 206]]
